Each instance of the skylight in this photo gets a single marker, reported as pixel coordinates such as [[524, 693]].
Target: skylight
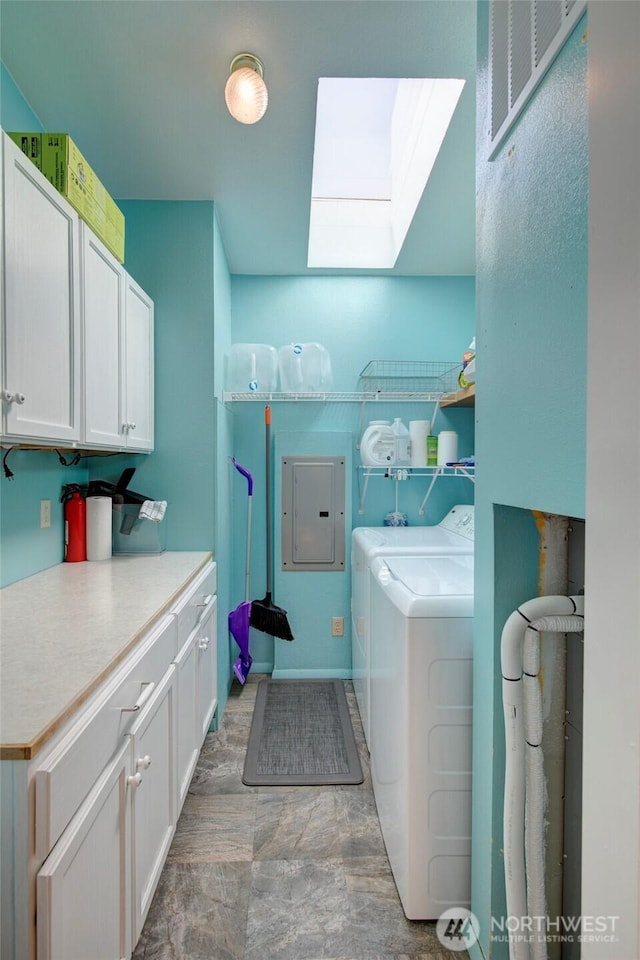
[[376, 142]]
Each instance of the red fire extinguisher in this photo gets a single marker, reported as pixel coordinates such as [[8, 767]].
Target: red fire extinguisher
[[75, 524]]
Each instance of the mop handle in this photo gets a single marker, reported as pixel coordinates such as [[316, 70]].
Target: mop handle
[[267, 429]]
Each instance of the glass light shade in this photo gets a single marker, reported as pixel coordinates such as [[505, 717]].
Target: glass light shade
[[246, 95]]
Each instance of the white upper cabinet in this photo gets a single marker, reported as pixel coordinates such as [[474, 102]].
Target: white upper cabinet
[[77, 341], [41, 319], [118, 352], [137, 422], [103, 283]]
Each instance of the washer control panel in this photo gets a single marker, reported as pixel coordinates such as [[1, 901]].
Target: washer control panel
[[460, 520]]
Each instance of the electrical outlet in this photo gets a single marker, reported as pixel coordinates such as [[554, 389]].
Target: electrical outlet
[[45, 514], [337, 626]]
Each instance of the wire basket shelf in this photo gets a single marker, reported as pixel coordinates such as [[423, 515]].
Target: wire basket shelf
[[410, 376]]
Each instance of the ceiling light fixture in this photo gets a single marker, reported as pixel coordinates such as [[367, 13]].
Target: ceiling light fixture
[[246, 93]]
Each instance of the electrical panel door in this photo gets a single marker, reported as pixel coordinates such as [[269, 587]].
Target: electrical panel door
[[313, 499]]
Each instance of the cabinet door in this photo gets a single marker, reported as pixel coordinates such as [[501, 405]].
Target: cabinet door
[[41, 374], [187, 742], [83, 887], [154, 815], [207, 671], [102, 293], [138, 364]]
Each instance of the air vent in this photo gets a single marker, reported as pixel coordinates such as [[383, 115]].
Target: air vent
[[547, 23], [519, 50], [525, 38], [499, 54]]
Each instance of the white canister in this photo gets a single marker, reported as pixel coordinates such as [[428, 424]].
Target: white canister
[[99, 528], [447, 447], [377, 446], [418, 433]]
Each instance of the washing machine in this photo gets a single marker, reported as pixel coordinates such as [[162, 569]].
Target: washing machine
[[453, 535], [421, 706]]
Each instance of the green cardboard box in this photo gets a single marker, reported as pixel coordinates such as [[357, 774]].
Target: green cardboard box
[[62, 163], [31, 146]]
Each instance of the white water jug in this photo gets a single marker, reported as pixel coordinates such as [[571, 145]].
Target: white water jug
[[401, 437], [252, 367], [378, 444], [304, 368]]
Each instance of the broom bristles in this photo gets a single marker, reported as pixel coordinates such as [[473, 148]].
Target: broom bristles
[[268, 618]]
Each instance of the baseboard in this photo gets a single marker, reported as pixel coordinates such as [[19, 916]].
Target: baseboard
[[311, 674]]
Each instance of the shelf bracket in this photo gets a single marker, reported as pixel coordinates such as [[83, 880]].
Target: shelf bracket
[[363, 495], [438, 473]]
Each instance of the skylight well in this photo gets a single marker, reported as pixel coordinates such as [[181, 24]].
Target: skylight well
[[376, 142]]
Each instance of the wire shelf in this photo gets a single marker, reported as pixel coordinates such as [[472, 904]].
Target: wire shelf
[[410, 376], [360, 396]]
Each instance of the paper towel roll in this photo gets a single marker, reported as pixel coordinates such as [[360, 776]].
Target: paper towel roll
[[447, 447], [418, 433], [98, 528]]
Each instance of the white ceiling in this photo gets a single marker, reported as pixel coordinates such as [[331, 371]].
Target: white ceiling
[[139, 85]]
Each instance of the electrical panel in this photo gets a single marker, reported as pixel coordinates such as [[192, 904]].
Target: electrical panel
[[313, 513]]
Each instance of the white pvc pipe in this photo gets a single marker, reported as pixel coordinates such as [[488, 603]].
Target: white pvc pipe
[[552, 614]]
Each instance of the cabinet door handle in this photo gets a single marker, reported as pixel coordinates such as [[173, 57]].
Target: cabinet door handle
[[13, 397], [206, 600], [143, 763], [132, 426], [204, 643], [125, 427], [145, 693], [134, 780]]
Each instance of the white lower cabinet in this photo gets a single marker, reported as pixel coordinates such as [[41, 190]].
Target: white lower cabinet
[[153, 785], [206, 673], [187, 745], [95, 889], [197, 669], [97, 808], [83, 887]]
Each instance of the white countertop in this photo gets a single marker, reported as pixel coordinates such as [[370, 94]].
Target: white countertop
[[64, 629]]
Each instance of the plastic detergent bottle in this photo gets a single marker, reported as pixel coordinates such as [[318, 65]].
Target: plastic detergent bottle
[[377, 446], [401, 438]]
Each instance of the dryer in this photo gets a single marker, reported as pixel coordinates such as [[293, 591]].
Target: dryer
[[452, 535], [421, 713]]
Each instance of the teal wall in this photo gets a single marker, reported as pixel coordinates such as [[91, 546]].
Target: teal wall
[[15, 112], [25, 549], [174, 250], [357, 319], [169, 252], [223, 543], [531, 289]]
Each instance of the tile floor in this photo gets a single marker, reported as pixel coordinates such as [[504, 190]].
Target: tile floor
[[278, 873]]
